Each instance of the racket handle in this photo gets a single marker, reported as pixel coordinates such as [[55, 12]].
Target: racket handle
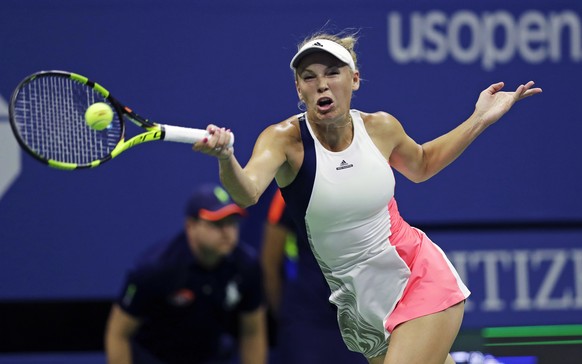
[[188, 135]]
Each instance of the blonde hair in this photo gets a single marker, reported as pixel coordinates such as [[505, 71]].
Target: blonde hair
[[346, 39]]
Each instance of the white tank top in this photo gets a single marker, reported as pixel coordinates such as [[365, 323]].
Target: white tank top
[[348, 226], [347, 215]]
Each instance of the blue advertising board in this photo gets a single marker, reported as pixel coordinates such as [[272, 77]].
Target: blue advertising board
[[530, 277], [68, 235]]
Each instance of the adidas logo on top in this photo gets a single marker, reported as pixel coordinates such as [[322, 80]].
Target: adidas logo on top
[[344, 165]]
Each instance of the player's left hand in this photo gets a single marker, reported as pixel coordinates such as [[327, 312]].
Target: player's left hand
[[494, 103]]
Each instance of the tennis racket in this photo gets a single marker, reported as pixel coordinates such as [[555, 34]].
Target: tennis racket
[[47, 116]]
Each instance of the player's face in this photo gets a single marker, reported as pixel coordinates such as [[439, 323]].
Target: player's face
[[216, 238], [325, 84]]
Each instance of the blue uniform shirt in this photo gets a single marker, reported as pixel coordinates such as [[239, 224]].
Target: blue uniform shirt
[[305, 312], [190, 313]]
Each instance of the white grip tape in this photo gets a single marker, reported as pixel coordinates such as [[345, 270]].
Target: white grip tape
[[187, 135]]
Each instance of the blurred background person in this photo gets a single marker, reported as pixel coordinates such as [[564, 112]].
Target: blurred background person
[[302, 322], [194, 298]]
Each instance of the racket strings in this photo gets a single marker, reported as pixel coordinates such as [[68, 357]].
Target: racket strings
[[49, 113]]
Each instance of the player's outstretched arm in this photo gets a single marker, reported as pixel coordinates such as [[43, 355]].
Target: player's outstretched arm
[[421, 162]]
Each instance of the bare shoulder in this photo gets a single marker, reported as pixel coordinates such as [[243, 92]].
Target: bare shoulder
[[379, 120], [384, 130], [283, 136], [283, 143], [381, 124], [276, 152], [286, 129]]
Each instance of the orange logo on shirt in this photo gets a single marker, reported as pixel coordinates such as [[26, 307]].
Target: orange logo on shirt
[[183, 297]]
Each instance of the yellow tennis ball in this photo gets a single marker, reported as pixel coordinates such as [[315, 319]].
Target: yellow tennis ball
[[99, 115]]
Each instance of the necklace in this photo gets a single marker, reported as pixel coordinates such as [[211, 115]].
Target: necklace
[[337, 126], [347, 122], [331, 137]]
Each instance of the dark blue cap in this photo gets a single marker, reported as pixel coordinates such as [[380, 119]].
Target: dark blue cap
[[211, 202]]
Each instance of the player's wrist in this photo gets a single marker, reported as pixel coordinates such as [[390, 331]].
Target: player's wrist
[[223, 158]]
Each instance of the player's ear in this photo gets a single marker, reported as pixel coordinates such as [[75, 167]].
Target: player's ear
[[298, 91], [356, 80]]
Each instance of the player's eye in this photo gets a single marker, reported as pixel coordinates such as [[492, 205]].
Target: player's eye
[[333, 71]]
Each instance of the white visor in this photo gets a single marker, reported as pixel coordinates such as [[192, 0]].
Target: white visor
[[329, 46]]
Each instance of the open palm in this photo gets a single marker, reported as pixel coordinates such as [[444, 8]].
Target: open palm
[[494, 103]]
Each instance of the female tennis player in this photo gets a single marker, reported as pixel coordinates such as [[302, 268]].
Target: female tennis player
[[399, 298]]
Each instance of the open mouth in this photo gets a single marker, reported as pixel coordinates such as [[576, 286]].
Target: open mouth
[[324, 102]]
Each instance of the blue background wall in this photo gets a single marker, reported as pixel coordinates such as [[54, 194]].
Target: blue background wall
[[71, 235]]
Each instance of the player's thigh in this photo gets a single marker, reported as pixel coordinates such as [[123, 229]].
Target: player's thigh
[[377, 360], [427, 339], [380, 360], [309, 343]]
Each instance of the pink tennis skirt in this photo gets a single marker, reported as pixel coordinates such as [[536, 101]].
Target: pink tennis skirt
[[433, 286]]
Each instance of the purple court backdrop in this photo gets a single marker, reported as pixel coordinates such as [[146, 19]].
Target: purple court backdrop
[[508, 212]]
